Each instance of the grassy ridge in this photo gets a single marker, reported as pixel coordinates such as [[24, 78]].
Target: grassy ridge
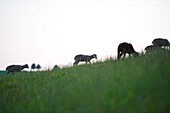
[[136, 85]]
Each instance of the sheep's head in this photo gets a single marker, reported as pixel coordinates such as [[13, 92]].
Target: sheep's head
[[26, 66], [136, 54], [94, 56]]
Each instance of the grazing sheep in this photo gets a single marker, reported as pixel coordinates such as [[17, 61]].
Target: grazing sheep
[[16, 68], [82, 58], [159, 42], [154, 49], [124, 48], [149, 48]]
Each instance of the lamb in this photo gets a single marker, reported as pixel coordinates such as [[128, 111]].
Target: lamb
[[16, 68], [159, 42], [124, 48], [81, 58]]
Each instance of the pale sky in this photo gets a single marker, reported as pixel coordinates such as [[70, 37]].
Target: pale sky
[[49, 32]]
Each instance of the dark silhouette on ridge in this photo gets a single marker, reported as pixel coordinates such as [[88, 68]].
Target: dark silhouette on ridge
[[124, 48], [161, 42], [16, 68]]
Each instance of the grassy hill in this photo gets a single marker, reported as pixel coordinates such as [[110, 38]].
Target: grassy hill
[[136, 85]]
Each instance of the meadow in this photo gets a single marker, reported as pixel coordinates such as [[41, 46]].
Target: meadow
[[132, 85]]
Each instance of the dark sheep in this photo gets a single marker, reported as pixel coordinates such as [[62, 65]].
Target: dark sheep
[[124, 48], [154, 49], [85, 58], [149, 48], [16, 68], [160, 42]]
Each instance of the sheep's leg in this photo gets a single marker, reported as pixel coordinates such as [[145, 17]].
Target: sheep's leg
[[88, 61], [129, 55], [119, 55], [124, 53], [75, 63]]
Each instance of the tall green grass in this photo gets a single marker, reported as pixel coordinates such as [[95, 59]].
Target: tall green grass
[[135, 85]]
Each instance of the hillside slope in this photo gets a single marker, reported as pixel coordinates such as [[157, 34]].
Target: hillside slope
[[136, 85]]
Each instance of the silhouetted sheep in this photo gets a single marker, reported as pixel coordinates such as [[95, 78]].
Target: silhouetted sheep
[[16, 68], [149, 48], [124, 48], [154, 49], [159, 42], [85, 58]]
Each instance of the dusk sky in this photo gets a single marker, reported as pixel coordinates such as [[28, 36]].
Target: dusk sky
[[50, 32]]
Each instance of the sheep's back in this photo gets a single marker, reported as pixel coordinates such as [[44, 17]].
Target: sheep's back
[[81, 57], [13, 68], [160, 42]]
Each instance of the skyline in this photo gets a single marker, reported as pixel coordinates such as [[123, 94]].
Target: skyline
[[53, 32]]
